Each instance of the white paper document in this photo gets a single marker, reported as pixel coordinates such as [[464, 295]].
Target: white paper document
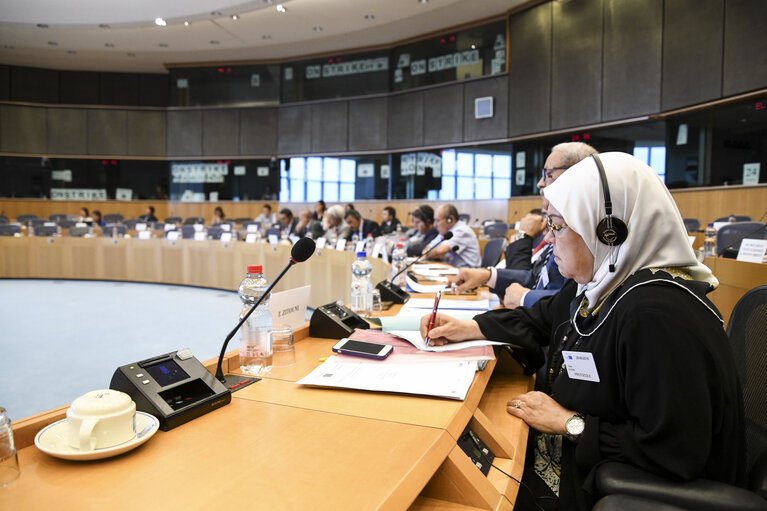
[[443, 379], [425, 288], [448, 304], [406, 325]]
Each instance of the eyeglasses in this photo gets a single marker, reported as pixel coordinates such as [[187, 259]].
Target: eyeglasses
[[554, 228], [550, 169]]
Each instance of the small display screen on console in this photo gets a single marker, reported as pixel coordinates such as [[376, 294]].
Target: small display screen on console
[[166, 372]]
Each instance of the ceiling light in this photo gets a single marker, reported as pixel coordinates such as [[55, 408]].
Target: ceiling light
[[214, 42], [163, 45], [186, 23], [235, 17], [473, 46], [370, 17], [109, 45], [281, 8], [72, 52], [268, 2], [160, 22], [317, 29], [104, 25], [53, 43], [7, 47], [42, 25], [423, 1], [131, 54], [266, 36], [216, 14]]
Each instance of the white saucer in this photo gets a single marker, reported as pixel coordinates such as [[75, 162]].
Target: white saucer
[[53, 440]]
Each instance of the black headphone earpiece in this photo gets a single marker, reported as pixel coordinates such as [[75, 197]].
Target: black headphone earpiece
[[611, 230]]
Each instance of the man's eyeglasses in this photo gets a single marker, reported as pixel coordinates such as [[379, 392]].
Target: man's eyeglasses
[[550, 169], [554, 228]]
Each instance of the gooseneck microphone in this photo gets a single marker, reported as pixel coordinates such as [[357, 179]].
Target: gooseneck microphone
[[390, 292], [301, 251]]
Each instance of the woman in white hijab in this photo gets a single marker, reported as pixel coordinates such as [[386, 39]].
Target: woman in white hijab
[[639, 368]]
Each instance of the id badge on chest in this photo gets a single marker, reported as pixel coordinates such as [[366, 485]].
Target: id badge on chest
[[580, 366]]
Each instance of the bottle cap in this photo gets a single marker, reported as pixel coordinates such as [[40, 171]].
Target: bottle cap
[[255, 268], [399, 245], [362, 254]]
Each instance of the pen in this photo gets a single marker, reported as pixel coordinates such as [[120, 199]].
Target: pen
[[433, 316]]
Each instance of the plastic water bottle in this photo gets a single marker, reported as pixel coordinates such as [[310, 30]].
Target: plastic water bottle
[[709, 241], [398, 264], [9, 461], [355, 240], [256, 333], [369, 242], [362, 286]]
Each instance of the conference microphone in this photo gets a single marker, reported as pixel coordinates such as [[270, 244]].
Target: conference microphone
[[301, 251], [390, 292]]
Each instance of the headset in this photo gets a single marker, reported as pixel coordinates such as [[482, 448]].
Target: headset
[[611, 230]]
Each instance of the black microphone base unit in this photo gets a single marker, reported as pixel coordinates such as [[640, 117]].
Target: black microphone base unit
[[334, 321], [175, 387], [392, 293]]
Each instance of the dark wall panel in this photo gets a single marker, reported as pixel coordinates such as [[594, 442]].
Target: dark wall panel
[[67, 130], [330, 127], [119, 89], [576, 71], [632, 58], [530, 71], [107, 132], [367, 124], [184, 134], [295, 130], [34, 85], [745, 46], [405, 120], [258, 131], [692, 52], [22, 129], [153, 89], [494, 127], [80, 88], [5, 83], [146, 133], [219, 132], [443, 115]]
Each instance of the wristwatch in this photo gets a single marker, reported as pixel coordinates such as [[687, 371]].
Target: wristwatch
[[575, 426], [520, 235]]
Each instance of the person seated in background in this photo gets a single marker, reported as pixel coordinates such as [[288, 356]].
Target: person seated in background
[[84, 215], [389, 220], [97, 220], [640, 369], [218, 216], [362, 227], [148, 215], [462, 250], [319, 210], [267, 218], [531, 270], [423, 223], [333, 223], [287, 223], [307, 225], [348, 207]]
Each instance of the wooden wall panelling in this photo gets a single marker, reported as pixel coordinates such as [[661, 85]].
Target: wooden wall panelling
[[219, 132], [443, 115], [67, 130], [576, 66], [367, 124], [745, 46], [404, 120], [530, 70], [294, 130], [146, 132], [258, 131], [330, 127], [492, 128], [108, 132], [692, 52], [709, 204], [184, 133], [22, 129], [632, 58]]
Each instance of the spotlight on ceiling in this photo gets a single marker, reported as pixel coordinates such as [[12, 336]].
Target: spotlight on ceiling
[[160, 22], [186, 23], [281, 8], [235, 17], [42, 25], [104, 25]]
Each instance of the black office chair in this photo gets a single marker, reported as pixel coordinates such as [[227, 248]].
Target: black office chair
[[643, 491], [131, 223], [492, 253], [25, 219], [214, 232], [156, 226], [273, 230], [194, 220], [187, 232], [66, 223], [240, 221], [497, 230], [729, 236], [4, 219], [173, 220], [58, 217], [738, 218], [79, 232], [692, 225], [113, 229], [113, 218], [464, 217], [47, 230], [246, 226], [37, 222], [9, 229]]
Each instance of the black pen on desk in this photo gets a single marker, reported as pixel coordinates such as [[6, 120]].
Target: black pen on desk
[[433, 316]]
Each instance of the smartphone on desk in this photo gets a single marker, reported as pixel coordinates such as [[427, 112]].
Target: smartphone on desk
[[363, 349]]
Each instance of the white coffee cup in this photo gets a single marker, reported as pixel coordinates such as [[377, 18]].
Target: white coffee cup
[[101, 419]]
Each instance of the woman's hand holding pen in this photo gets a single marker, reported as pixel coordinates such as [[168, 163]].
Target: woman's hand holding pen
[[448, 329]]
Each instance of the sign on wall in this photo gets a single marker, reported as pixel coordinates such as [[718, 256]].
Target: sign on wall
[[198, 172], [78, 194]]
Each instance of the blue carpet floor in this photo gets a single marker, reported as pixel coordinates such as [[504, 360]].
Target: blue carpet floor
[[62, 338]]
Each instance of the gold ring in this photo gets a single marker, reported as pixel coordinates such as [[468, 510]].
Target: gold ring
[[517, 404]]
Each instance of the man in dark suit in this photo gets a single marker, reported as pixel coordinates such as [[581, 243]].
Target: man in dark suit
[[362, 227], [389, 220], [287, 222]]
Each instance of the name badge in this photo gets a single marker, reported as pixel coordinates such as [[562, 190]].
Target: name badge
[[580, 366]]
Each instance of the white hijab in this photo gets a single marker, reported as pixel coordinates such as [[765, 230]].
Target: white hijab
[[656, 233]]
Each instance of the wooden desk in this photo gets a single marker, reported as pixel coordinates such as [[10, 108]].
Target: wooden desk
[[736, 278]]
